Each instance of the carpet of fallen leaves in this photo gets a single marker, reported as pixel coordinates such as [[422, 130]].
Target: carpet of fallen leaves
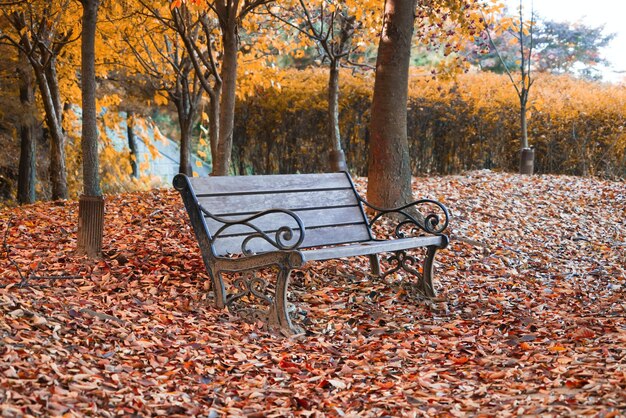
[[530, 318]]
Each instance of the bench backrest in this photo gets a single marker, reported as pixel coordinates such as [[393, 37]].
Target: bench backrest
[[326, 203]]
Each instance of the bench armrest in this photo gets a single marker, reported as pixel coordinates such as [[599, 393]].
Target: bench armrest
[[434, 222], [282, 236]]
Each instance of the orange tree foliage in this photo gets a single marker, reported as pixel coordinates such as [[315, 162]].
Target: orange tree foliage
[[454, 125], [61, 21]]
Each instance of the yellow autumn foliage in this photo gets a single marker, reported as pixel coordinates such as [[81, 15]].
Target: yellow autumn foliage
[[469, 122]]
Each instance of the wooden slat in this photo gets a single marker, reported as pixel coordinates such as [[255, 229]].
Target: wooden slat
[[313, 237], [295, 200], [269, 183], [370, 247], [310, 218]]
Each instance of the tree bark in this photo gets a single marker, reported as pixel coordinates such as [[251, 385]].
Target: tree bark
[[337, 157], [389, 172], [26, 172], [91, 204], [227, 104]]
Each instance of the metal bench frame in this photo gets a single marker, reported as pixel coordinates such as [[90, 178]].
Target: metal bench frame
[[284, 247]]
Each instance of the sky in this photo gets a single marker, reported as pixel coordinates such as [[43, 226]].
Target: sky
[[611, 13]]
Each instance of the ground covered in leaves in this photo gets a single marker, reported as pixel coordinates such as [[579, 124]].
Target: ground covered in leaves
[[530, 318]]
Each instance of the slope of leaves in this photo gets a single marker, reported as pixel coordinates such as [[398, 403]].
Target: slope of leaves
[[530, 319]]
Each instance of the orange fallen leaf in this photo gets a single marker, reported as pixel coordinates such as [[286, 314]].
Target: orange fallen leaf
[[557, 348], [385, 385], [583, 333], [496, 375], [575, 383]]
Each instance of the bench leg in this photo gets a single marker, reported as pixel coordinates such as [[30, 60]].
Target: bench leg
[[279, 317], [429, 272], [218, 287], [249, 294], [374, 264], [252, 285]]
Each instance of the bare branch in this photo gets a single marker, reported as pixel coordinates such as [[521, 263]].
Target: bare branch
[[495, 48]]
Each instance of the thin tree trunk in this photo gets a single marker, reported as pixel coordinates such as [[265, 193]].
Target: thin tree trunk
[[389, 172], [185, 146], [337, 157], [214, 126], [527, 155], [58, 176], [186, 107], [227, 105], [524, 121], [55, 93], [26, 174], [91, 204], [132, 144]]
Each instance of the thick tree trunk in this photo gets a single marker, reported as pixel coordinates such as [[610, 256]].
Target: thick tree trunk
[[27, 168], [132, 144], [91, 204], [227, 104], [89, 140], [336, 155], [389, 172]]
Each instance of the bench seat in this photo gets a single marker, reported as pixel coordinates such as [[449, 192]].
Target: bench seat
[[371, 247]]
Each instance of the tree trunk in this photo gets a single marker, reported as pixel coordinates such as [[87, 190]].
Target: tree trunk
[[58, 176], [389, 171], [55, 93], [336, 155], [227, 104], [523, 121], [185, 145], [132, 144], [527, 155], [91, 204], [214, 126], [186, 107], [27, 168]]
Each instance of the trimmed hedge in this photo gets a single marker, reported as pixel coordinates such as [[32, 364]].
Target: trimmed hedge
[[576, 127]]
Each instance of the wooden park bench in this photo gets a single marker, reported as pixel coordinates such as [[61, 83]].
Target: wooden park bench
[[281, 222]]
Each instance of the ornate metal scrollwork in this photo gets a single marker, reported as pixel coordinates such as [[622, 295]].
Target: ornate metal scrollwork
[[249, 285], [402, 261], [432, 223], [282, 236]]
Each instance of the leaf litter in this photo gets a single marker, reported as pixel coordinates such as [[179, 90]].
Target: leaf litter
[[529, 320]]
